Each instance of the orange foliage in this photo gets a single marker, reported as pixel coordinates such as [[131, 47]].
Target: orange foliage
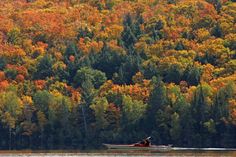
[[20, 69], [11, 51], [6, 23], [173, 33], [222, 81], [87, 46], [51, 23], [114, 46], [135, 91], [82, 45], [3, 85], [40, 84], [207, 73], [2, 76], [42, 45], [75, 94]]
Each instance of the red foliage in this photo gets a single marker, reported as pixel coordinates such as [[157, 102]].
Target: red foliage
[[40, 84], [72, 58], [20, 78], [20, 69]]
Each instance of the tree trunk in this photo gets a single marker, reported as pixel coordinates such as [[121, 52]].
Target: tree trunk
[[30, 141], [85, 123], [85, 126], [9, 138], [41, 138]]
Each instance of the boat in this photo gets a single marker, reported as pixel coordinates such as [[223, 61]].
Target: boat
[[145, 144], [161, 148]]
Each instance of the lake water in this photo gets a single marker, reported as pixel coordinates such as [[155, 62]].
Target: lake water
[[177, 152]]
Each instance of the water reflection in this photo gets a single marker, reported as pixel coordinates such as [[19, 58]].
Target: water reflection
[[177, 152]]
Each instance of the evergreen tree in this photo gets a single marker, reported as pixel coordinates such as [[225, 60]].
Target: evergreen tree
[[42, 101], [179, 46], [132, 31], [96, 77], [173, 74], [149, 69], [108, 61], [128, 37], [129, 68], [217, 31], [3, 63], [156, 103], [87, 117], [71, 50], [192, 75], [44, 68], [200, 113]]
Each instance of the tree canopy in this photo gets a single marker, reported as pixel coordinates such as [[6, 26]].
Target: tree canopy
[[76, 71]]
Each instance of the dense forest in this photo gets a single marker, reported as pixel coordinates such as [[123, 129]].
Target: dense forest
[[78, 73]]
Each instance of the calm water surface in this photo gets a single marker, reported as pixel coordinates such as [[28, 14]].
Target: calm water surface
[[178, 152]]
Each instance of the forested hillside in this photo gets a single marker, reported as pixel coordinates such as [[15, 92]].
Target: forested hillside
[[79, 73]]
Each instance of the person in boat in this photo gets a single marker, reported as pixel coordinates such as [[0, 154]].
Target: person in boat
[[144, 143]]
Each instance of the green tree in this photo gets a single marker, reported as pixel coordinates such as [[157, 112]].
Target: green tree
[[156, 102], [187, 125], [217, 31], [174, 74], [149, 69], [3, 62], [96, 77], [129, 68], [220, 114], [179, 46], [132, 31], [192, 75], [128, 37], [44, 67], [14, 36], [154, 29], [100, 107], [58, 117], [108, 61], [200, 113], [175, 127], [87, 118], [71, 49], [132, 110], [42, 100], [10, 112], [10, 73]]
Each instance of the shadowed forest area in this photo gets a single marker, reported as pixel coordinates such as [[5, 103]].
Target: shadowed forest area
[[78, 73]]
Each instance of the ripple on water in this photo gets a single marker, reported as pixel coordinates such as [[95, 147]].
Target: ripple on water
[[176, 152]]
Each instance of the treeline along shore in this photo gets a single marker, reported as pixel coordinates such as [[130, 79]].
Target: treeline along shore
[[78, 73]]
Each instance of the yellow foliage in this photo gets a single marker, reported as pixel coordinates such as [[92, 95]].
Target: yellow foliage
[[202, 34], [27, 100]]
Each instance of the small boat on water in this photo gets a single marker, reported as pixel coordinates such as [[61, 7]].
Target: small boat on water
[[162, 148], [142, 145]]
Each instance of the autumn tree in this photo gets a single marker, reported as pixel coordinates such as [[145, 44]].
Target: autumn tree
[[11, 110]]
